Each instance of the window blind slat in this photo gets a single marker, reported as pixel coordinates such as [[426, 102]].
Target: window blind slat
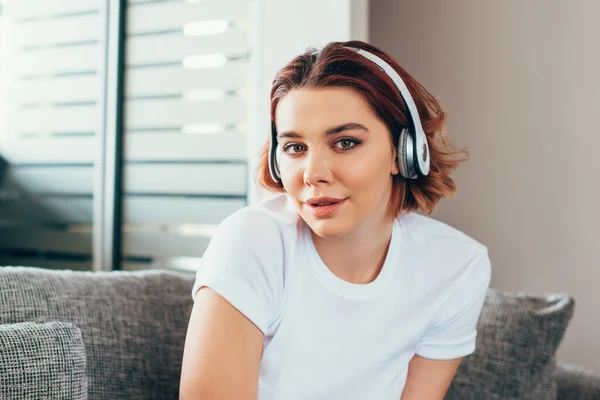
[[137, 210], [44, 150], [174, 15], [166, 210], [211, 179], [44, 179], [142, 50], [67, 89], [144, 244], [57, 60], [134, 243], [176, 79], [30, 238], [176, 146], [48, 210], [48, 32], [167, 113], [168, 146], [18, 9], [55, 119]]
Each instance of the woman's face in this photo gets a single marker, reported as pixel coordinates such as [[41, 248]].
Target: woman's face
[[336, 159]]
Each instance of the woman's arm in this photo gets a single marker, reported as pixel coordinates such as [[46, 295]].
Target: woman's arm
[[222, 352], [429, 379]]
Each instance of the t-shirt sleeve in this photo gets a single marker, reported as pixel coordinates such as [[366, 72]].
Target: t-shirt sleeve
[[244, 263], [453, 332]]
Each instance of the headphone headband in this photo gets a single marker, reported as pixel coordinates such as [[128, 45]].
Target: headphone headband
[[420, 143]]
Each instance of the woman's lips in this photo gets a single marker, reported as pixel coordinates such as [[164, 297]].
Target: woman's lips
[[324, 211]]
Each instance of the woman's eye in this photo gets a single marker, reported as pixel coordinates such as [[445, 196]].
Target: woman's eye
[[347, 144], [293, 148]]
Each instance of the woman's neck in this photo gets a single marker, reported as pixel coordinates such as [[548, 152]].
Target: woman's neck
[[359, 255]]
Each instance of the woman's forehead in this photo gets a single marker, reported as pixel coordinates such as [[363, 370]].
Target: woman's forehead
[[322, 108]]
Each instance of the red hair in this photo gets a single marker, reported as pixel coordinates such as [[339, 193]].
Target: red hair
[[337, 66]]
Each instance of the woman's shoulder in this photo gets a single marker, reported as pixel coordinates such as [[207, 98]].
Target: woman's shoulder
[[245, 261], [270, 220], [446, 252], [432, 230], [251, 241]]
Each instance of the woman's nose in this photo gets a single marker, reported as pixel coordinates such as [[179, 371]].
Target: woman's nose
[[317, 169]]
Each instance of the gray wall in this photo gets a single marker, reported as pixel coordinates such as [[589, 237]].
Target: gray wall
[[521, 82]]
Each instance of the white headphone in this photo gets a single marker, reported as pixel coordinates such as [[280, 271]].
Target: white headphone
[[412, 148]]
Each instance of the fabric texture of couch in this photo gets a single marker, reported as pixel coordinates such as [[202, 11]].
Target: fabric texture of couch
[[133, 326], [42, 361], [518, 335]]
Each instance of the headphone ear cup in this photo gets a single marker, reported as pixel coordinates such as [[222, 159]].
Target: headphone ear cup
[[403, 156], [273, 167], [272, 156]]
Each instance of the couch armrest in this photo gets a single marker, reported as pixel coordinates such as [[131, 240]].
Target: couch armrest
[[576, 383]]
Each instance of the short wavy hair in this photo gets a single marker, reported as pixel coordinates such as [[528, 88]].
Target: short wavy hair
[[337, 66]]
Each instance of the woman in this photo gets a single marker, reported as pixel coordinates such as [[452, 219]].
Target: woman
[[337, 288]]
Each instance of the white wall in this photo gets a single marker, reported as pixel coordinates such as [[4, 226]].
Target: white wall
[[286, 29], [521, 83]]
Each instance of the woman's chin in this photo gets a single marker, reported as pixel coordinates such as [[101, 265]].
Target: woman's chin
[[326, 228]]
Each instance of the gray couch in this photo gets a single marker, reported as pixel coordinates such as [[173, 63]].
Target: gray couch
[[120, 335]]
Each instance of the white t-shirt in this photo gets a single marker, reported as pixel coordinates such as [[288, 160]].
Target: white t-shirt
[[326, 338]]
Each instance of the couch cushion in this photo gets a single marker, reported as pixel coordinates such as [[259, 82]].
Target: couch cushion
[[518, 335], [133, 323], [42, 361], [576, 382]]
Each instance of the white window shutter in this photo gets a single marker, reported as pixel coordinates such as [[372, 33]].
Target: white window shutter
[[186, 113], [185, 128], [52, 115]]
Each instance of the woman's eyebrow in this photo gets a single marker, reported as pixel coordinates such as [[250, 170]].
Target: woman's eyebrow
[[331, 131], [350, 126]]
